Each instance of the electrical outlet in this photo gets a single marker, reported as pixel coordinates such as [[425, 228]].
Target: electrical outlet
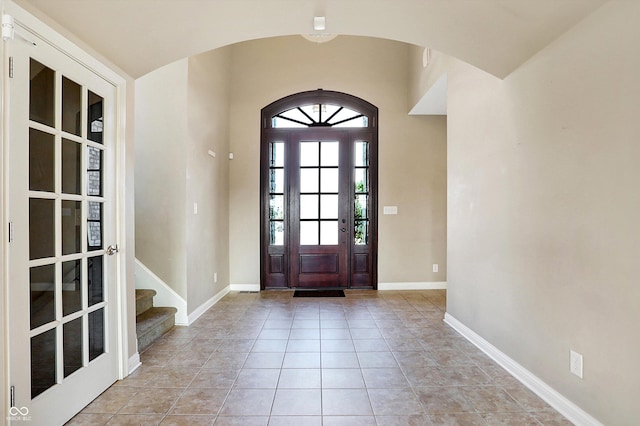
[[435, 267], [576, 364]]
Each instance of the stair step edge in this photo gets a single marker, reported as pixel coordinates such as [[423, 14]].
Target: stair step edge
[[144, 300], [155, 333], [150, 318], [142, 293]]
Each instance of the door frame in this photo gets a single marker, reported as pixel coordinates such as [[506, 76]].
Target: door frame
[[368, 133], [28, 26]]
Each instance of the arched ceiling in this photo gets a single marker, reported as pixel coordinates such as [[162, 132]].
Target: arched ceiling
[[142, 35]]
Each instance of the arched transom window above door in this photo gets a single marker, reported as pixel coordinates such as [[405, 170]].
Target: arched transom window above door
[[319, 108], [319, 115]]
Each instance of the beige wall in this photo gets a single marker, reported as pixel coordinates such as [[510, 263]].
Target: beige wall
[[543, 208], [181, 114], [207, 177], [412, 149], [161, 145], [421, 77]]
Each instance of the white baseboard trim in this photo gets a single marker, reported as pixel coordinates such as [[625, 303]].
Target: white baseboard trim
[[165, 295], [133, 363], [206, 305], [433, 285], [244, 287], [552, 397]]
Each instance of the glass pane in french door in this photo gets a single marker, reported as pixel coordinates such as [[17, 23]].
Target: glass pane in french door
[[72, 346], [43, 372], [42, 93]]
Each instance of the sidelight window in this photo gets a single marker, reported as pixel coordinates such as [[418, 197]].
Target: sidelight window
[[361, 193], [276, 193]]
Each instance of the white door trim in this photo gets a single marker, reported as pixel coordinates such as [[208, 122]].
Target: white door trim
[[26, 24]]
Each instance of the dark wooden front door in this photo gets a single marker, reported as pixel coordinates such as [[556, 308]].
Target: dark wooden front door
[[318, 192], [319, 208]]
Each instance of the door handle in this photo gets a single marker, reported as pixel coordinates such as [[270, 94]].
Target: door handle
[[111, 250]]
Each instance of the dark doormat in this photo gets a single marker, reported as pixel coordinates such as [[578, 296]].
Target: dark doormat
[[318, 293]]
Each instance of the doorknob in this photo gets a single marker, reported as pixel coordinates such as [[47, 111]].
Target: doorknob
[[111, 250]]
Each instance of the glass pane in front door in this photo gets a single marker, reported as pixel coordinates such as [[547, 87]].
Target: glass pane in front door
[[319, 161]]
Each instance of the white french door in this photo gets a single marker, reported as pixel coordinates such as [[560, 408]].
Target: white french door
[[62, 298]]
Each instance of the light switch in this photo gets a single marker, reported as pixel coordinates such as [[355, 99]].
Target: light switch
[[195, 208], [390, 210]]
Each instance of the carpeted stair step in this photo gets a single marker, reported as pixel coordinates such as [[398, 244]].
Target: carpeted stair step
[[153, 323], [144, 300]]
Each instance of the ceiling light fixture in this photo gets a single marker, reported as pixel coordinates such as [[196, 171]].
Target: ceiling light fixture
[[319, 23]]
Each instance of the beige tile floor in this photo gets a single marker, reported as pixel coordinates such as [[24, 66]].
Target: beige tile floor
[[371, 358]]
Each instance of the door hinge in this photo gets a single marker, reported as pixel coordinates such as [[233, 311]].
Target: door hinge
[[10, 232], [10, 66]]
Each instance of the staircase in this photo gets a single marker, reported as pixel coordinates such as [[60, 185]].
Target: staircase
[[151, 322]]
